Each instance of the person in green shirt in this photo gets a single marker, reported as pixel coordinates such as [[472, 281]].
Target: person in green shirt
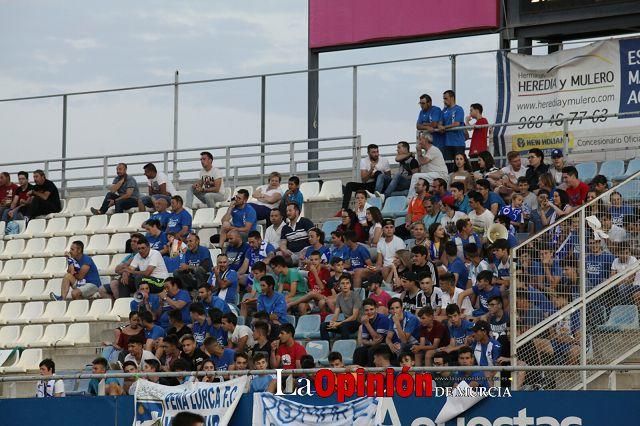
[[291, 283]]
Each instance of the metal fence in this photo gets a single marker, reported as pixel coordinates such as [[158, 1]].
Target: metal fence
[[575, 285]]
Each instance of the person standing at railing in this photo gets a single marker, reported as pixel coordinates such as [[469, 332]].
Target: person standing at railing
[[429, 118], [209, 188], [123, 193], [452, 116], [479, 138]]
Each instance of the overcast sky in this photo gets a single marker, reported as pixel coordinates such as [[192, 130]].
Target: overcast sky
[[53, 47]]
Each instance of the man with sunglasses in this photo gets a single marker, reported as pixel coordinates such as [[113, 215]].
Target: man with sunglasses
[[429, 117]]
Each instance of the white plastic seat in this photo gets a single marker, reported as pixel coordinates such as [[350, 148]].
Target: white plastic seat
[[116, 259], [29, 362], [117, 244], [52, 336], [205, 235], [217, 221], [53, 285], [120, 310], [32, 290], [73, 207], [30, 311], [57, 224], [116, 221], [12, 248], [75, 309], [98, 308], [227, 197], [97, 244], [204, 218], [63, 205], [102, 262], [10, 291], [11, 268], [8, 336], [75, 226], [54, 312], [34, 226], [309, 189], [214, 252], [77, 333], [82, 238], [135, 223], [30, 335], [96, 224], [56, 268], [331, 190], [2, 228], [1, 245], [94, 202], [21, 227], [9, 311], [34, 246], [56, 246], [33, 266]]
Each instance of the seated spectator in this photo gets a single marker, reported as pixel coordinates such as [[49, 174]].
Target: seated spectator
[[372, 332], [199, 325], [209, 188], [450, 294], [122, 333], [273, 233], [250, 298], [338, 249], [529, 199], [374, 223], [545, 181], [410, 294], [598, 263], [498, 319], [408, 360], [257, 251], [477, 263], [222, 357], [465, 235], [382, 356], [123, 193], [415, 209], [240, 336], [236, 250], [358, 259], [49, 388], [576, 189], [433, 335], [348, 304], [407, 166], [264, 382], [460, 331], [401, 263], [292, 195], [267, 198], [350, 223], [224, 280], [240, 362], [558, 163], [152, 332], [21, 197], [318, 279], [387, 247], [511, 174], [485, 348], [157, 239], [544, 209], [434, 211], [490, 200], [437, 241], [210, 301], [82, 275], [195, 265], [431, 160], [480, 217], [451, 215], [372, 175], [443, 379], [291, 283], [514, 211], [600, 184], [421, 263], [207, 366], [161, 214], [561, 346], [181, 365], [7, 192], [487, 170], [619, 211], [483, 290], [295, 234], [174, 297], [616, 233], [475, 379], [456, 266], [316, 243], [501, 265], [378, 295], [420, 237], [404, 328], [361, 206], [159, 187], [261, 339], [191, 353], [169, 353], [536, 168], [45, 198], [429, 295], [462, 174], [180, 219], [111, 384], [629, 289], [146, 266], [137, 353], [286, 352]]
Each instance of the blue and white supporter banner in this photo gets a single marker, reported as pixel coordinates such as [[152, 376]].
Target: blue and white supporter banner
[[269, 409], [156, 404], [598, 79]]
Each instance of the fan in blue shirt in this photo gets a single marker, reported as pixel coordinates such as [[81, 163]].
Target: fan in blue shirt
[[401, 321], [430, 114], [174, 298], [450, 115], [459, 328], [483, 290], [199, 325], [270, 301], [180, 219], [457, 266], [211, 301], [358, 256]]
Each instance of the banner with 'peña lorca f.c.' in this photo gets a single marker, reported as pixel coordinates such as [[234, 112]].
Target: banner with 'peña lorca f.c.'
[[576, 84]]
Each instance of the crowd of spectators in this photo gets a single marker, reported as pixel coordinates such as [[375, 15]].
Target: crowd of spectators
[[432, 290]]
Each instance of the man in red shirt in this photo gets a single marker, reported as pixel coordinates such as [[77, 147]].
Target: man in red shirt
[[433, 335], [286, 352], [7, 191], [479, 137], [576, 189]]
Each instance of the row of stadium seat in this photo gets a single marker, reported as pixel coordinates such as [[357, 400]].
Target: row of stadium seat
[[61, 311], [57, 246], [319, 349], [54, 267], [39, 336]]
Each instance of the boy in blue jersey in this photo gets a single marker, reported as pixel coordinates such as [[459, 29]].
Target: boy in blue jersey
[[404, 329], [156, 237], [459, 330], [359, 259], [338, 248], [514, 211], [483, 290], [486, 349], [222, 357], [199, 326], [82, 275], [152, 332], [475, 379], [210, 301], [292, 195], [215, 327], [501, 264], [456, 266]]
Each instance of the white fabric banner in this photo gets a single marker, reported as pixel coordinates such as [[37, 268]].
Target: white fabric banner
[[598, 79], [269, 409], [156, 404]]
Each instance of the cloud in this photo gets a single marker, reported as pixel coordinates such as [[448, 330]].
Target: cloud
[[82, 43]]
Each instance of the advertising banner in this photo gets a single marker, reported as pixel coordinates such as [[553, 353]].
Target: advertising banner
[[598, 79], [156, 404]]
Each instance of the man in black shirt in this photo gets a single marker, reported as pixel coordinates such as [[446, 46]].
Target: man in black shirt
[[261, 337], [295, 234], [191, 352], [421, 263], [178, 327], [407, 166], [536, 168], [45, 197]]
